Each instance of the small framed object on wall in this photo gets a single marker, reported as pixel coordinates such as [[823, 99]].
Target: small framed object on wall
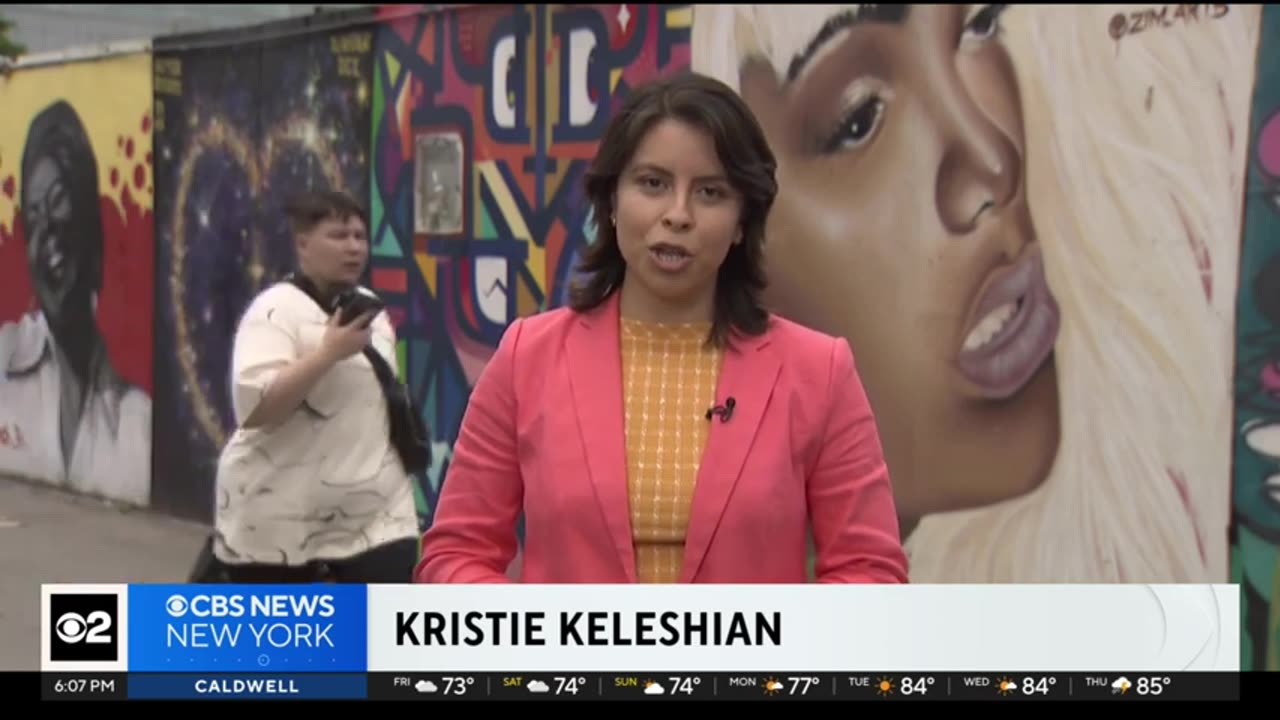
[[437, 188]]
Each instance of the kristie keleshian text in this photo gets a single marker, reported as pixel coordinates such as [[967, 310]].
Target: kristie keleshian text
[[589, 628]]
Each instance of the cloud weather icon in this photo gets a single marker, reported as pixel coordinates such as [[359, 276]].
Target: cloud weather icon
[[537, 686], [425, 686], [653, 688], [1121, 686]]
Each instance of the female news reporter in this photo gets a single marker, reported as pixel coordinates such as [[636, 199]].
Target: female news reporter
[[310, 486], [665, 427]]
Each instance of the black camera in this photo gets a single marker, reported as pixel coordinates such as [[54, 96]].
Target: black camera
[[351, 304]]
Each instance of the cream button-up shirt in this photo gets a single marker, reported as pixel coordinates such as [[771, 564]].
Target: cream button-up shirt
[[326, 483], [111, 457]]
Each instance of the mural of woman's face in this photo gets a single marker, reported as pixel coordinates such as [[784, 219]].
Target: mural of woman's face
[[57, 270], [902, 224]]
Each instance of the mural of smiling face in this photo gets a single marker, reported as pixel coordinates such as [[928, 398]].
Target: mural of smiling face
[[60, 213]]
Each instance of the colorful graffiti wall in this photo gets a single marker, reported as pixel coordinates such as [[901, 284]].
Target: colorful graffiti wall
[[238, 128], [75, 276], [1049, 235], [485, 119], [1255, 531]]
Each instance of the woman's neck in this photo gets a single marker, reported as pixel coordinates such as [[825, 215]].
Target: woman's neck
[[636, 303]]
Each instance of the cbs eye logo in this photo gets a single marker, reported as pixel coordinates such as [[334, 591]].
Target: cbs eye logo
[[176, 605], [84, 628]]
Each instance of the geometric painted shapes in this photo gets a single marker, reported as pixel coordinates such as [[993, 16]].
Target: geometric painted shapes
[[390, 279], [503, 63], [379, 107], [486, 231], [680, 17], [397, 315], [402, 351], [491, 288], [536, 264], [393, 67], [492, 178], [526, 303], [403, 210], [582, 108], [427, 269], [388, 245], [375, 203], [416, 364]]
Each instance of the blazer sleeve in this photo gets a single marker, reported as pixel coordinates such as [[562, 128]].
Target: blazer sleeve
[[855, 521], [472, 537]]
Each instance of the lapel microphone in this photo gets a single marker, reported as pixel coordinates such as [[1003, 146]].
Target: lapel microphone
[[725, 411]]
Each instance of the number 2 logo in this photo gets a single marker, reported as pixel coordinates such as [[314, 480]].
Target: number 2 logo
[[74, 628]]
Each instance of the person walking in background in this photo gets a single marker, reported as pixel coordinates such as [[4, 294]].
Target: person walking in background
[[665, 427], [310, 486]]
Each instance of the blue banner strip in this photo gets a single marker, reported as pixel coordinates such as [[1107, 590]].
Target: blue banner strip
[[257, 686], [286, 629]]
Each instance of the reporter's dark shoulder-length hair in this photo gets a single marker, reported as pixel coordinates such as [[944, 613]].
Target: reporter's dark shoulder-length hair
[[749, 163]]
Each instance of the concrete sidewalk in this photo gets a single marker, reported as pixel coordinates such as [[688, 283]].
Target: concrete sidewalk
[[48, 536]]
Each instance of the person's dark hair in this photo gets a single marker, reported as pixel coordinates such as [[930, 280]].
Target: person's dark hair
[[56, 133], [307, 210], [749, 163]]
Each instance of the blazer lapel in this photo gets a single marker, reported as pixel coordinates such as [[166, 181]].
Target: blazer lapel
[[747, 374], [595, 375]]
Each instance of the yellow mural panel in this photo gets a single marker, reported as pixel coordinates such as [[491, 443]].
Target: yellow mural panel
[[76, 279], [112, 99]]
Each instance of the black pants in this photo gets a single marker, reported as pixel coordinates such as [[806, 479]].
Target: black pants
[[389, 563]]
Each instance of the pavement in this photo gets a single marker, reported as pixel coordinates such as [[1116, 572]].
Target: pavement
[[50, 536]]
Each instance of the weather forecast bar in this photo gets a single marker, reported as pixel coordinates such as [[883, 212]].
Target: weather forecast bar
[[647, 687], [806, 686]]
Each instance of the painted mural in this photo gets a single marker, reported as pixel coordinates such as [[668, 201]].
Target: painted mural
[[484, 121], [75, 277], [1026, 221], [1048, 234], [238, 128], [1255, 530]]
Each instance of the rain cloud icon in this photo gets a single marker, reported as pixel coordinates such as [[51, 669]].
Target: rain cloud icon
[[1121, 685]]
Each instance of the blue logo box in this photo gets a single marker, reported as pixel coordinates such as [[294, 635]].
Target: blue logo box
[[248, 628]]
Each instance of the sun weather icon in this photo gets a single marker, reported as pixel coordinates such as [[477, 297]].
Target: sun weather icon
[[885, 687]]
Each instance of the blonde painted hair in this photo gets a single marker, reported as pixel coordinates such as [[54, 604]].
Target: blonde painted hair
[[1135, 177]]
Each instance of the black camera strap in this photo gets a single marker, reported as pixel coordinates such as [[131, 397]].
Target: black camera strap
[[408, 432]]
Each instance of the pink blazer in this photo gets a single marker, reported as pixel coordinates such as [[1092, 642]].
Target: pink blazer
[[543, 433]]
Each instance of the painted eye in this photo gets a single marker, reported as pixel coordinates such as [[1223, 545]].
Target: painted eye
[[985, 23], [858, 125]]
